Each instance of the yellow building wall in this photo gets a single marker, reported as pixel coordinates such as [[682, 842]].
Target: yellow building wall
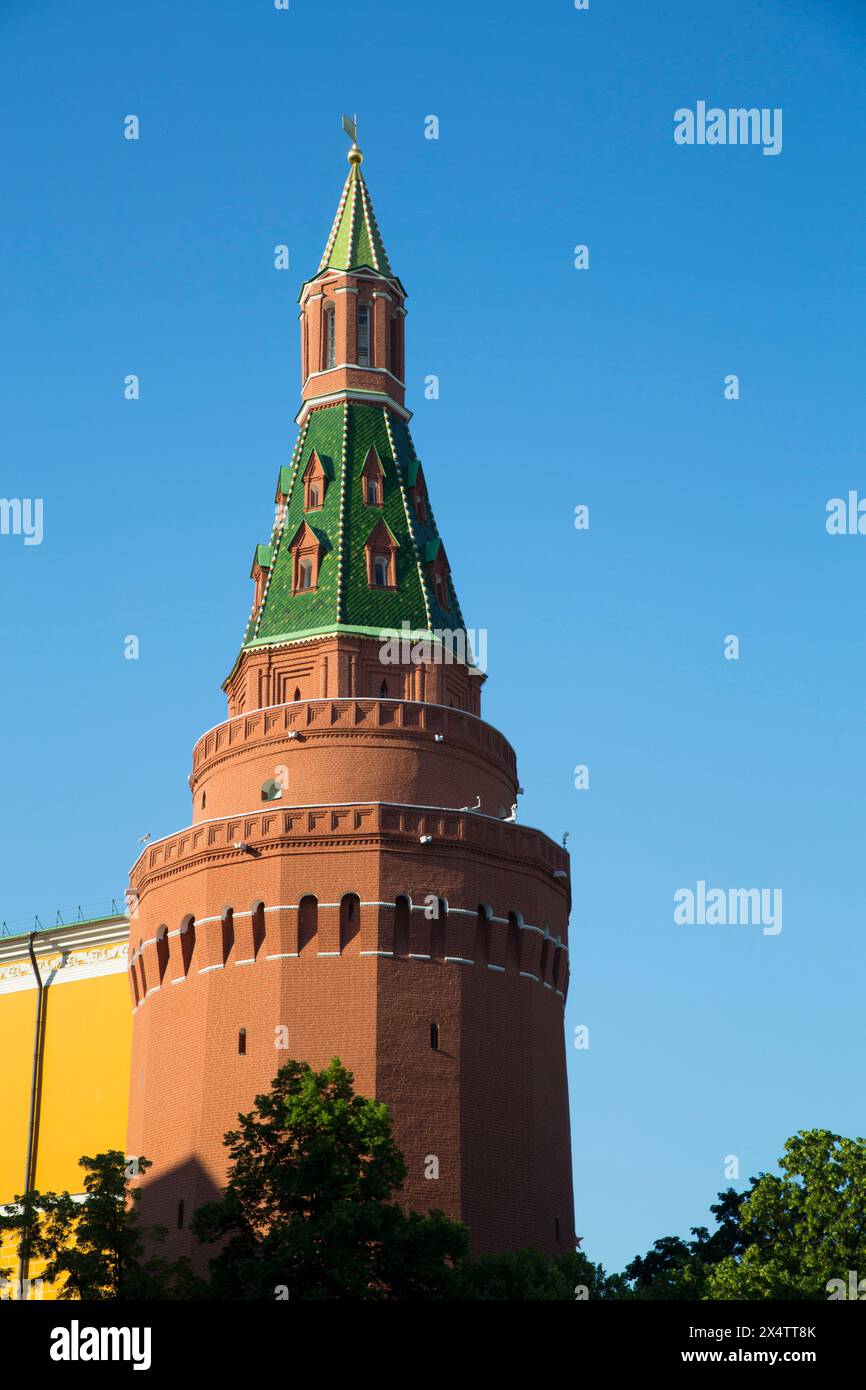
[[17, 1019], [85, 1084]]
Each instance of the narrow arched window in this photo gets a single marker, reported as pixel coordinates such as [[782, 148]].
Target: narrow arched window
[[141, 970], [438, 930], [402, 910], [350, 919], [383, 690], [363, 358], [481, 948], [545, 959], [395, 345], [373, 497], [297, 695], [330, 338], [203, 800], [305, 574], [314, 496], [258, 921], [242, 1042], [512, 944], [187, 943], [434, 1036], [380, 571], [308, 920], [161, 953], [227, 926]]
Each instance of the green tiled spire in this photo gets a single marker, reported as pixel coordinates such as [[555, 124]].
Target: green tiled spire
[[355, 238], [339, 437], [342, 436]]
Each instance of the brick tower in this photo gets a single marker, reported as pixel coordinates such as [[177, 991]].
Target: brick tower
[[353, 882]]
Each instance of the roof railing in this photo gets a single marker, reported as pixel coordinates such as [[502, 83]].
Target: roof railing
[[20, 925]]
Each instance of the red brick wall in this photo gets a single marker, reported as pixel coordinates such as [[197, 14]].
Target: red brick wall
[[339, 667], [490, 1104], [353, 750]]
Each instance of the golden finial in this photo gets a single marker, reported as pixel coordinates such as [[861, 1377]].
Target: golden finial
[[350, 126]]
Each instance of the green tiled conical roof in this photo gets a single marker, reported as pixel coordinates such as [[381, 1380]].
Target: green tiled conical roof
[[342, 435], [355, 238]]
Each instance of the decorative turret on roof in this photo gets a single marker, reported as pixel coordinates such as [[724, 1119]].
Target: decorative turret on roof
[[355, 551]]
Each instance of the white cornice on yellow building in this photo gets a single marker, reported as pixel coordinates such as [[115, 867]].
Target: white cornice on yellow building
[[65, 954]]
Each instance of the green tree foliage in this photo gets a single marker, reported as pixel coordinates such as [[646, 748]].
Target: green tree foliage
[[802, 1229], [785, 1237], [94, 1249], [664, 1272], [527, 1275], [679, 1269], [308, 1211]]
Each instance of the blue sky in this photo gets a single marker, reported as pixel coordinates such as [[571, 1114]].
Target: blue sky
[[558, 387]]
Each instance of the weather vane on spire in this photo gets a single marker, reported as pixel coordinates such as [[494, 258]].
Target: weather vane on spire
[[350, 126]]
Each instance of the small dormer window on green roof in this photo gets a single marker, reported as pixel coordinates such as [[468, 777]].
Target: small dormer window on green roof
[[380, 571], [315, 483]]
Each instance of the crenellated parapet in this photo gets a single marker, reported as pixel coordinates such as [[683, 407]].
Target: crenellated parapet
[[428, 833], [427, 931], [300, 751]]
